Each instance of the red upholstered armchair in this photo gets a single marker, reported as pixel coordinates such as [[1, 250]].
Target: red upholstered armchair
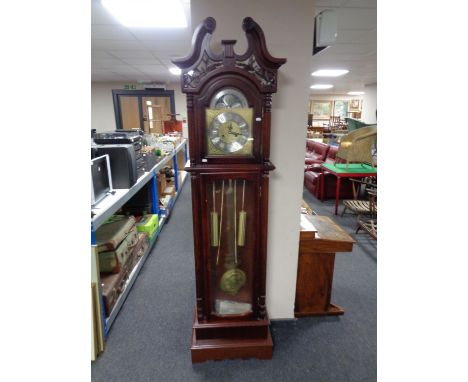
[[314, 174], [316, 152]]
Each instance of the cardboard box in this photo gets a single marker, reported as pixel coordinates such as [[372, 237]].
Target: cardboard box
[[169, 190], [162, 184], [148, 224]]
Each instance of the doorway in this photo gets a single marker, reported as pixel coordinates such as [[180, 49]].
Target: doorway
[[143, 109]]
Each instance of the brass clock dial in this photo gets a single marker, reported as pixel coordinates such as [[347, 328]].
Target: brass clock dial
[[229, 131]]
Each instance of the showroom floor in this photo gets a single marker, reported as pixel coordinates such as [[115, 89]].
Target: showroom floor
[[150, 338]]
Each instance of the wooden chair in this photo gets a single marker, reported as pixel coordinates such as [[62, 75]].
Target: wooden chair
[[369, 224], [335, 129], [335, 122], [359, 206]]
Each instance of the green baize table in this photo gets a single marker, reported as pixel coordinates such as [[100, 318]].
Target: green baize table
[[343, 170]]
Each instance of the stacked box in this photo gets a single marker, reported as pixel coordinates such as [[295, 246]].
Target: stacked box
[[113, 232], [114, 261], [149, 224], [139, 250]]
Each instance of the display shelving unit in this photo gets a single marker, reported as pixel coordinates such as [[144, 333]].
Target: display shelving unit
[[112, 203]]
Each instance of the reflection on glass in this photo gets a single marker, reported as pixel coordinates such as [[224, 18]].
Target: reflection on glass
[[231, 219], [341, 109]]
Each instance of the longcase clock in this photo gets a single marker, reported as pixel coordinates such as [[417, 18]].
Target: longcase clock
[[229, 117]]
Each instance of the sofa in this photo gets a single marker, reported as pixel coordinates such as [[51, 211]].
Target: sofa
[[316, 152], [314, 175]]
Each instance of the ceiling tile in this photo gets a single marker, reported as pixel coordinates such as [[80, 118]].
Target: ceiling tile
[[142, 61], [165, 45], [110, 32], [151, 68], [360, 3], [353, 48], [350, 36], [99, 14], [142, 53], [105, 62], [116, 45], [356, 18], [328, 3], [95, 54], [152, 34]]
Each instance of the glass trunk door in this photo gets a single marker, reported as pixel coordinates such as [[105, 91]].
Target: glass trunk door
[[232, 220]]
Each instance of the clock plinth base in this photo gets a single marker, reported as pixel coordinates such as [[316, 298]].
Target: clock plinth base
[[231, 340]]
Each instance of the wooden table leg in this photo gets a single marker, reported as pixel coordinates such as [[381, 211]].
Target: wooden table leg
[[322, 182], [338, 184]]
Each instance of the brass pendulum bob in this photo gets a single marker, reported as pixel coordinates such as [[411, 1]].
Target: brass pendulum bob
[[234, 278]]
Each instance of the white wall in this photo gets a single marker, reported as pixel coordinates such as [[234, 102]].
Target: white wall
[[333, 97], [369, 105], [102, 107], [288, 28]]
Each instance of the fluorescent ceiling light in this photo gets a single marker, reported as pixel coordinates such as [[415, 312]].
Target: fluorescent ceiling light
[[147, 13], [330, 72], [175, 71], [356, 93], [321, 86]]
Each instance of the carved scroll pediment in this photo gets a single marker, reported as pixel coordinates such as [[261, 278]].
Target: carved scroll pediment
[[201, 61]]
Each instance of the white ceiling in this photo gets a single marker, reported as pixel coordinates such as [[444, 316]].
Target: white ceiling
[[143, 55], [355, 48], [119, 53]]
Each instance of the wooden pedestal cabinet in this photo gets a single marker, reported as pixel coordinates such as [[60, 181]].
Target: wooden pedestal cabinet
[[320, 239]]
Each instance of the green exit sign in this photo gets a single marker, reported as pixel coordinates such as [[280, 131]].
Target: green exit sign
[[130, 87]]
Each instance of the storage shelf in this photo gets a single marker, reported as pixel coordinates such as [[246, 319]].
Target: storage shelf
[[131, 279], [112, 203]]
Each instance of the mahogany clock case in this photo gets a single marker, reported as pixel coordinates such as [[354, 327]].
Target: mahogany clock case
[[230, 191]]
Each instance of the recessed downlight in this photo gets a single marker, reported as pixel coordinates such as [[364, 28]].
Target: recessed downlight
[[330, 72], [356, 93], [147, 13], [175, 71], [321, 86]]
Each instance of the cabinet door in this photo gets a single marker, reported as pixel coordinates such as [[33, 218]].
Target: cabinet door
[[231, 242]]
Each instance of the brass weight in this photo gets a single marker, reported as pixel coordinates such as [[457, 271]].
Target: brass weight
[[242, 221], [214, 222]]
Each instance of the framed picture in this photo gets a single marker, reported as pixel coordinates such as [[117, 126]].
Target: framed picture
[[341, 109], [355, 105], [321, 109]]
